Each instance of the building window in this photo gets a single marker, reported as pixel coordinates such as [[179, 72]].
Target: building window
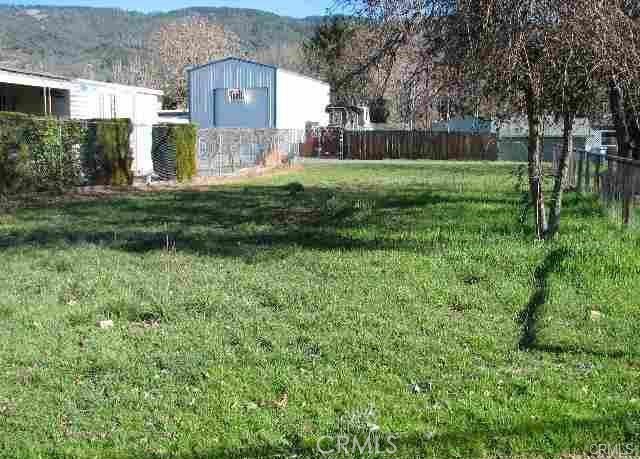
[[236, 96]]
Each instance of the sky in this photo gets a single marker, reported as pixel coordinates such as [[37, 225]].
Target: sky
[[295, 8]]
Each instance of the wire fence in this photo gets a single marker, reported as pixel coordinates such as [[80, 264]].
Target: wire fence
[[163, 154], [616, 180], [230, 151]]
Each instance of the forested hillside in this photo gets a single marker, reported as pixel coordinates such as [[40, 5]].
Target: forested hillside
[[88, 42]]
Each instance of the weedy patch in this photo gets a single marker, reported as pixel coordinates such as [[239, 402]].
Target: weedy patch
[[7, 408], [7, 219], [27, 376]]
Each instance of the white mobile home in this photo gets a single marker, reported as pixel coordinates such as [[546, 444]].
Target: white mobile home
[[51, 95], [236, 93]]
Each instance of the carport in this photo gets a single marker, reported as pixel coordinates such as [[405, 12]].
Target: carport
[[34, 93]]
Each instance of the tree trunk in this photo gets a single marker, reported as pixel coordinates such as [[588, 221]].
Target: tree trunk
[[634, 130], [616, 101], [560, 183], [535, 162]]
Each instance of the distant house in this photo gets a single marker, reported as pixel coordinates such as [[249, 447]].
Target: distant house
[[467, 125], [44, 94], [349, 117], [236, 93], [513, 135]]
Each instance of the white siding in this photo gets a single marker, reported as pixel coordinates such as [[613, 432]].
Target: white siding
[[300, 100], [97, 100]]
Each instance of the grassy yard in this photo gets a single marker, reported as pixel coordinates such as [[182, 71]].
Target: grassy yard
[[254, 319]]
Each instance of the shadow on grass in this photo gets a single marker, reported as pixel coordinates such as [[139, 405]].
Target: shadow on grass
[[237, 222], [531, 313], [555, 434], [530, 316]]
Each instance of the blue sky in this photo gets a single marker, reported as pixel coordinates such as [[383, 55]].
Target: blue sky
[[296, 8]]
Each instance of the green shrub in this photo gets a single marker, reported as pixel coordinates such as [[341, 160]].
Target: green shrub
[[107, 157], [184, 138], [38, 153], [48, 154]]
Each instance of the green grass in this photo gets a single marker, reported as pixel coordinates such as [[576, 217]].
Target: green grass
[[341, 293]]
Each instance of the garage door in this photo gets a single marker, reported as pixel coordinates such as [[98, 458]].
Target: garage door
[[242, 108]]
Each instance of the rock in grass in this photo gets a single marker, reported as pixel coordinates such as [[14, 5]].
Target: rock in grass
[[105, 324], [596, 316], [418, 388]]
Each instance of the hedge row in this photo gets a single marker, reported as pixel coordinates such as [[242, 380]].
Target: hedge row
[[39, 154], [174, 151]]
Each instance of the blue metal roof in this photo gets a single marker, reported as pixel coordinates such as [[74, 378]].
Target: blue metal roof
[[247, 61], [218, 61]]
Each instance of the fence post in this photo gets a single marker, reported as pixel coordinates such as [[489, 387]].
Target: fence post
[[597, 173], [587, 177], [580, 171], [627, 195]]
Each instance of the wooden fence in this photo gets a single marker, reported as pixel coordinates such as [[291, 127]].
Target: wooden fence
[[615, 179], [377, 145]]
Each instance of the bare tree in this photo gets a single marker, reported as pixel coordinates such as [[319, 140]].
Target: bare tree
[[573, 76], [502, 43], [138, 70], [187, 42], [618, 50], [539, 57]]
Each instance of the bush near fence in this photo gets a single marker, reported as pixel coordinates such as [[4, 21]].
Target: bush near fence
[[174, 151], [49, 154], [378, 145]]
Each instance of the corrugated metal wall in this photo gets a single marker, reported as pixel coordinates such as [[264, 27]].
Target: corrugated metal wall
[[229, 74]]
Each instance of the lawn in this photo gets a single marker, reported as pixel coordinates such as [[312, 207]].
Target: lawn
[[261, 316]]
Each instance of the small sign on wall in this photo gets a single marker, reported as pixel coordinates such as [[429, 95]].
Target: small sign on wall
[[236, 96]]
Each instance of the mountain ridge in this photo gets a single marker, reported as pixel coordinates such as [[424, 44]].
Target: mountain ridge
[[80, 41]]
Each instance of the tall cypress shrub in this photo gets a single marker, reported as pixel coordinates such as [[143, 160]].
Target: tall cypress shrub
[[184, 138], [108, 156]]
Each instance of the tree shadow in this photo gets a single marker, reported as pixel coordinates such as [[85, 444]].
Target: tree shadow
[[239, 221], [530, 316], [465, 443]]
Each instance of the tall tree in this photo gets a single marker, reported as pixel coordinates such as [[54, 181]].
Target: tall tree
[[187, 42], [538, 57], [328, 54], [574, 82], [138, 71]]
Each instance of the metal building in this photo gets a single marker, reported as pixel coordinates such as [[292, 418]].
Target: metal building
[[236, 93]]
